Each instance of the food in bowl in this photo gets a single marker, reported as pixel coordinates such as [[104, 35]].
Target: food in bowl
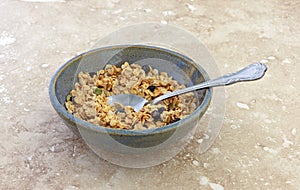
[[89, 98]]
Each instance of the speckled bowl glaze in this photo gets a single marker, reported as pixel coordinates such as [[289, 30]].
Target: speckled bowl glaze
[[180, 67]]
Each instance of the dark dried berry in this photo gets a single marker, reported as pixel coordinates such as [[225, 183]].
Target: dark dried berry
[[155, 115], [146, 68], [162, 109], [92, 74], [175, 120], [151, 88]]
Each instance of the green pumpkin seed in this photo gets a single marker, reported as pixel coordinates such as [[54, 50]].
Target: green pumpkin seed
[[98, 91], [69, 97]]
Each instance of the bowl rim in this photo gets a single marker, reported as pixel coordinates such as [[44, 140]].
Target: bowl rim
[[97, 128]]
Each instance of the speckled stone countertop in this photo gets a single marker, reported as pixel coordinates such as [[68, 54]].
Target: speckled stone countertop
[[258, 146]]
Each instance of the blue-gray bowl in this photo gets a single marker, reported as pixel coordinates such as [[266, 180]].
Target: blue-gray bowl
[[180, 67]]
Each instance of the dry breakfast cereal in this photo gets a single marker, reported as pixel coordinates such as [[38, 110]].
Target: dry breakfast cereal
[[88, 99]]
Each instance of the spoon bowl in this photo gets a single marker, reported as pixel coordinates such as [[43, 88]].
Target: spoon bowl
[[137, 102]]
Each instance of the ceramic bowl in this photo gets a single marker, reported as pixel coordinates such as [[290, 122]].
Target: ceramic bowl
[[107, 140]]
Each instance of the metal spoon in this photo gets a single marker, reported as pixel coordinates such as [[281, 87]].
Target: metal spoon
[[251, 72]]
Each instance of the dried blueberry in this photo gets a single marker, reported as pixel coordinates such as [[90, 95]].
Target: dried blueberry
[[92, 74], [161, 109], [175, 120], [151, 88], [146, 68], [155, 115]]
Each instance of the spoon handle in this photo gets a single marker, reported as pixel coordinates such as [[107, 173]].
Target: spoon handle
[[251, 72]]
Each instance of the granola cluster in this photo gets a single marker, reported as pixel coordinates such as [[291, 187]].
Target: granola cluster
[[88, 100]]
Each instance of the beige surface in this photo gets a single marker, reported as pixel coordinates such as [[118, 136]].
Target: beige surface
[[258, 147]]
